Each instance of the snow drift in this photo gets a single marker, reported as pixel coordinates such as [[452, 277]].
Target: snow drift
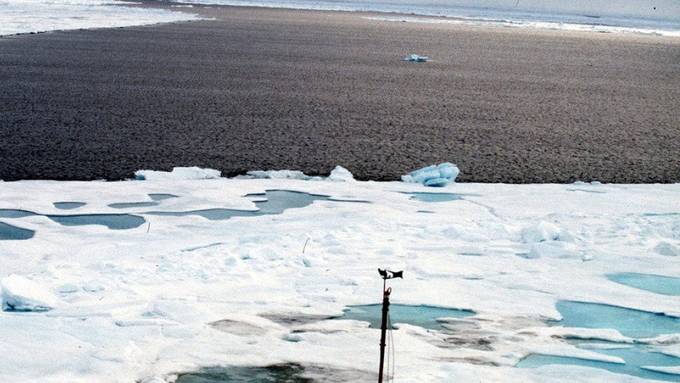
[[22, 294]]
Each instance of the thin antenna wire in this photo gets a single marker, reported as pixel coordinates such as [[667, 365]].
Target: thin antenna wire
[[394, 360], [390, 350], [389, 346]]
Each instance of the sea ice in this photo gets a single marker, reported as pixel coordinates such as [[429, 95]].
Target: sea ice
[[22, 294], [433, 175], [137, 304], [341, 174], [667, 249], [416, 58], [279, 175], [178, 173], [28, 16], [540, 232], [555, 249]]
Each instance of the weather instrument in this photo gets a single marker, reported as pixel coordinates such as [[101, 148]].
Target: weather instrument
[[385, 274]]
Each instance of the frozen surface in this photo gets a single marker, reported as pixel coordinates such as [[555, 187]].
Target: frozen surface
[[178, 173], [435, 197], [279, 175], [143, 304], [25, 16], [21, 294], [338, 174], [668, 249], [638, 16], [556, 22]]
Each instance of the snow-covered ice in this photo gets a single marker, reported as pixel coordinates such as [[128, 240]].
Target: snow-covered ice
[[179, 173], [22, 294], [25, 16], [660, 17], [340, 174], [183, 292], [540, 232], [279, 174], [667, 249]]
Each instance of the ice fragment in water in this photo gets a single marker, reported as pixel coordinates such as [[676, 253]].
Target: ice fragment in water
[[416, 58], [433, 175]]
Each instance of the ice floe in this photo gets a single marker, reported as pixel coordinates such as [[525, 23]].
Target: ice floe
[[279, 175], [179, 173], [29, 16], [337, 174], [416, 58], [183, 292]]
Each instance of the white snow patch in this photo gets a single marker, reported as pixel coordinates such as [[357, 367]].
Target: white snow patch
[[178, 173], [280, 175], [670, 29], [341, 174], [25, 16], [22, 294], [553, 249], [337, 174], [540, 232]]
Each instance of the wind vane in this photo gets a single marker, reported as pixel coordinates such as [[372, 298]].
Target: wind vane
[[385, 274]]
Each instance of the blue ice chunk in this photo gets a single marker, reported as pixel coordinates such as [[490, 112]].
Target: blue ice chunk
[[448, 170], [416, 58], [437, 182], [433, 175], [424, 174]]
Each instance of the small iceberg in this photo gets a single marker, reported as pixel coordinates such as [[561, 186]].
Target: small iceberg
[[22, 294], [433, 175], [416, 58], [340, 174]]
